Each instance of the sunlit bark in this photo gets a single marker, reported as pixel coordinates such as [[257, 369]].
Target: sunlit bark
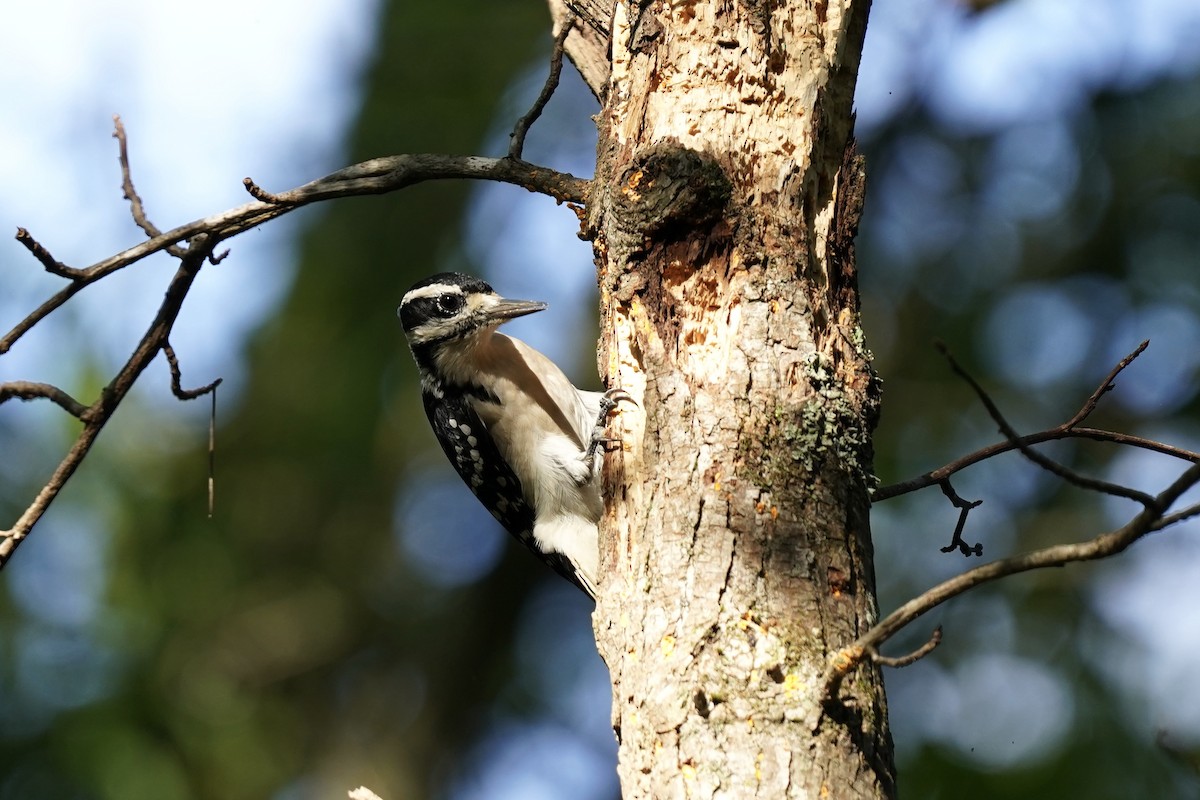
[[737, 553]]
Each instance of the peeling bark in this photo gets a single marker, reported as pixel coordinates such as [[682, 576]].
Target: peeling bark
[[736, 552]]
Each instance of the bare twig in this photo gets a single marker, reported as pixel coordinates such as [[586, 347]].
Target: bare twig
[[261, 194], [1068, 430], [1105, 386], [177, 377], [29, 390], [1013, 441], [191, 394], [52, 265], [964, 507], [916, 655], [1179, 516], [1151, 518], [98, 414], [377, 176], [516, 145], [1048, 464], [936, 476], [41, 312], [388, 174], [135, 201]]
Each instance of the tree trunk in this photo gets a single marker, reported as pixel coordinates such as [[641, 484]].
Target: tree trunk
[[736, 553]]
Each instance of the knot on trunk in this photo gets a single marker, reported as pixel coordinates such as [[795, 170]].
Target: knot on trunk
[[668, 191]]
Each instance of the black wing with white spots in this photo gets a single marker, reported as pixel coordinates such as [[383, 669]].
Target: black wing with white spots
[[470, 448], [466, 442]]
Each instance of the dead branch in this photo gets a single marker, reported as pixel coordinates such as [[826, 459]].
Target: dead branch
[[135, 201], [52, 265], [191, 394], [29, 390], [964, 509], [1106, 386], [1151, 518], [1024, 445], [377, 176], [97, 415], [911, 658], [261, 194], [1049, 464], [516, 145], [1068, 430], [177, 377], [1179, 516]]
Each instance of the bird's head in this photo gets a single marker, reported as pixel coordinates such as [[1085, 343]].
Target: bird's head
[[450, 305], [445, 314]]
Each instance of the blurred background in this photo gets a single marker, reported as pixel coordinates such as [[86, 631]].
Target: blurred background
[[350, 615]]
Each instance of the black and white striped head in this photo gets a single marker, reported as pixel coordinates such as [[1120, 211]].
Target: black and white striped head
[[450, 308]]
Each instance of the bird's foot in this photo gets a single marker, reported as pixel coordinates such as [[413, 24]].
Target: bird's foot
[[608, 404]]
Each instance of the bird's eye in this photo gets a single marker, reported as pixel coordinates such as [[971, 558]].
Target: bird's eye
[[448, 305]]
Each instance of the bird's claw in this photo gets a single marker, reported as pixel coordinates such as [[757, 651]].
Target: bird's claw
[[608, 403]]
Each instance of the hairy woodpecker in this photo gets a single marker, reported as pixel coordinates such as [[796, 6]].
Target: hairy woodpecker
[[520, 435]]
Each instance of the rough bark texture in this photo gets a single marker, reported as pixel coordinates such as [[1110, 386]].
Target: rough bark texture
[[737, 553]]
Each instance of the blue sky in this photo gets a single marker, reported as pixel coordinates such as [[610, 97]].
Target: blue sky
[[207, 98]]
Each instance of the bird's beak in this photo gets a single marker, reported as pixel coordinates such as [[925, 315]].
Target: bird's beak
[[511, 309]]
